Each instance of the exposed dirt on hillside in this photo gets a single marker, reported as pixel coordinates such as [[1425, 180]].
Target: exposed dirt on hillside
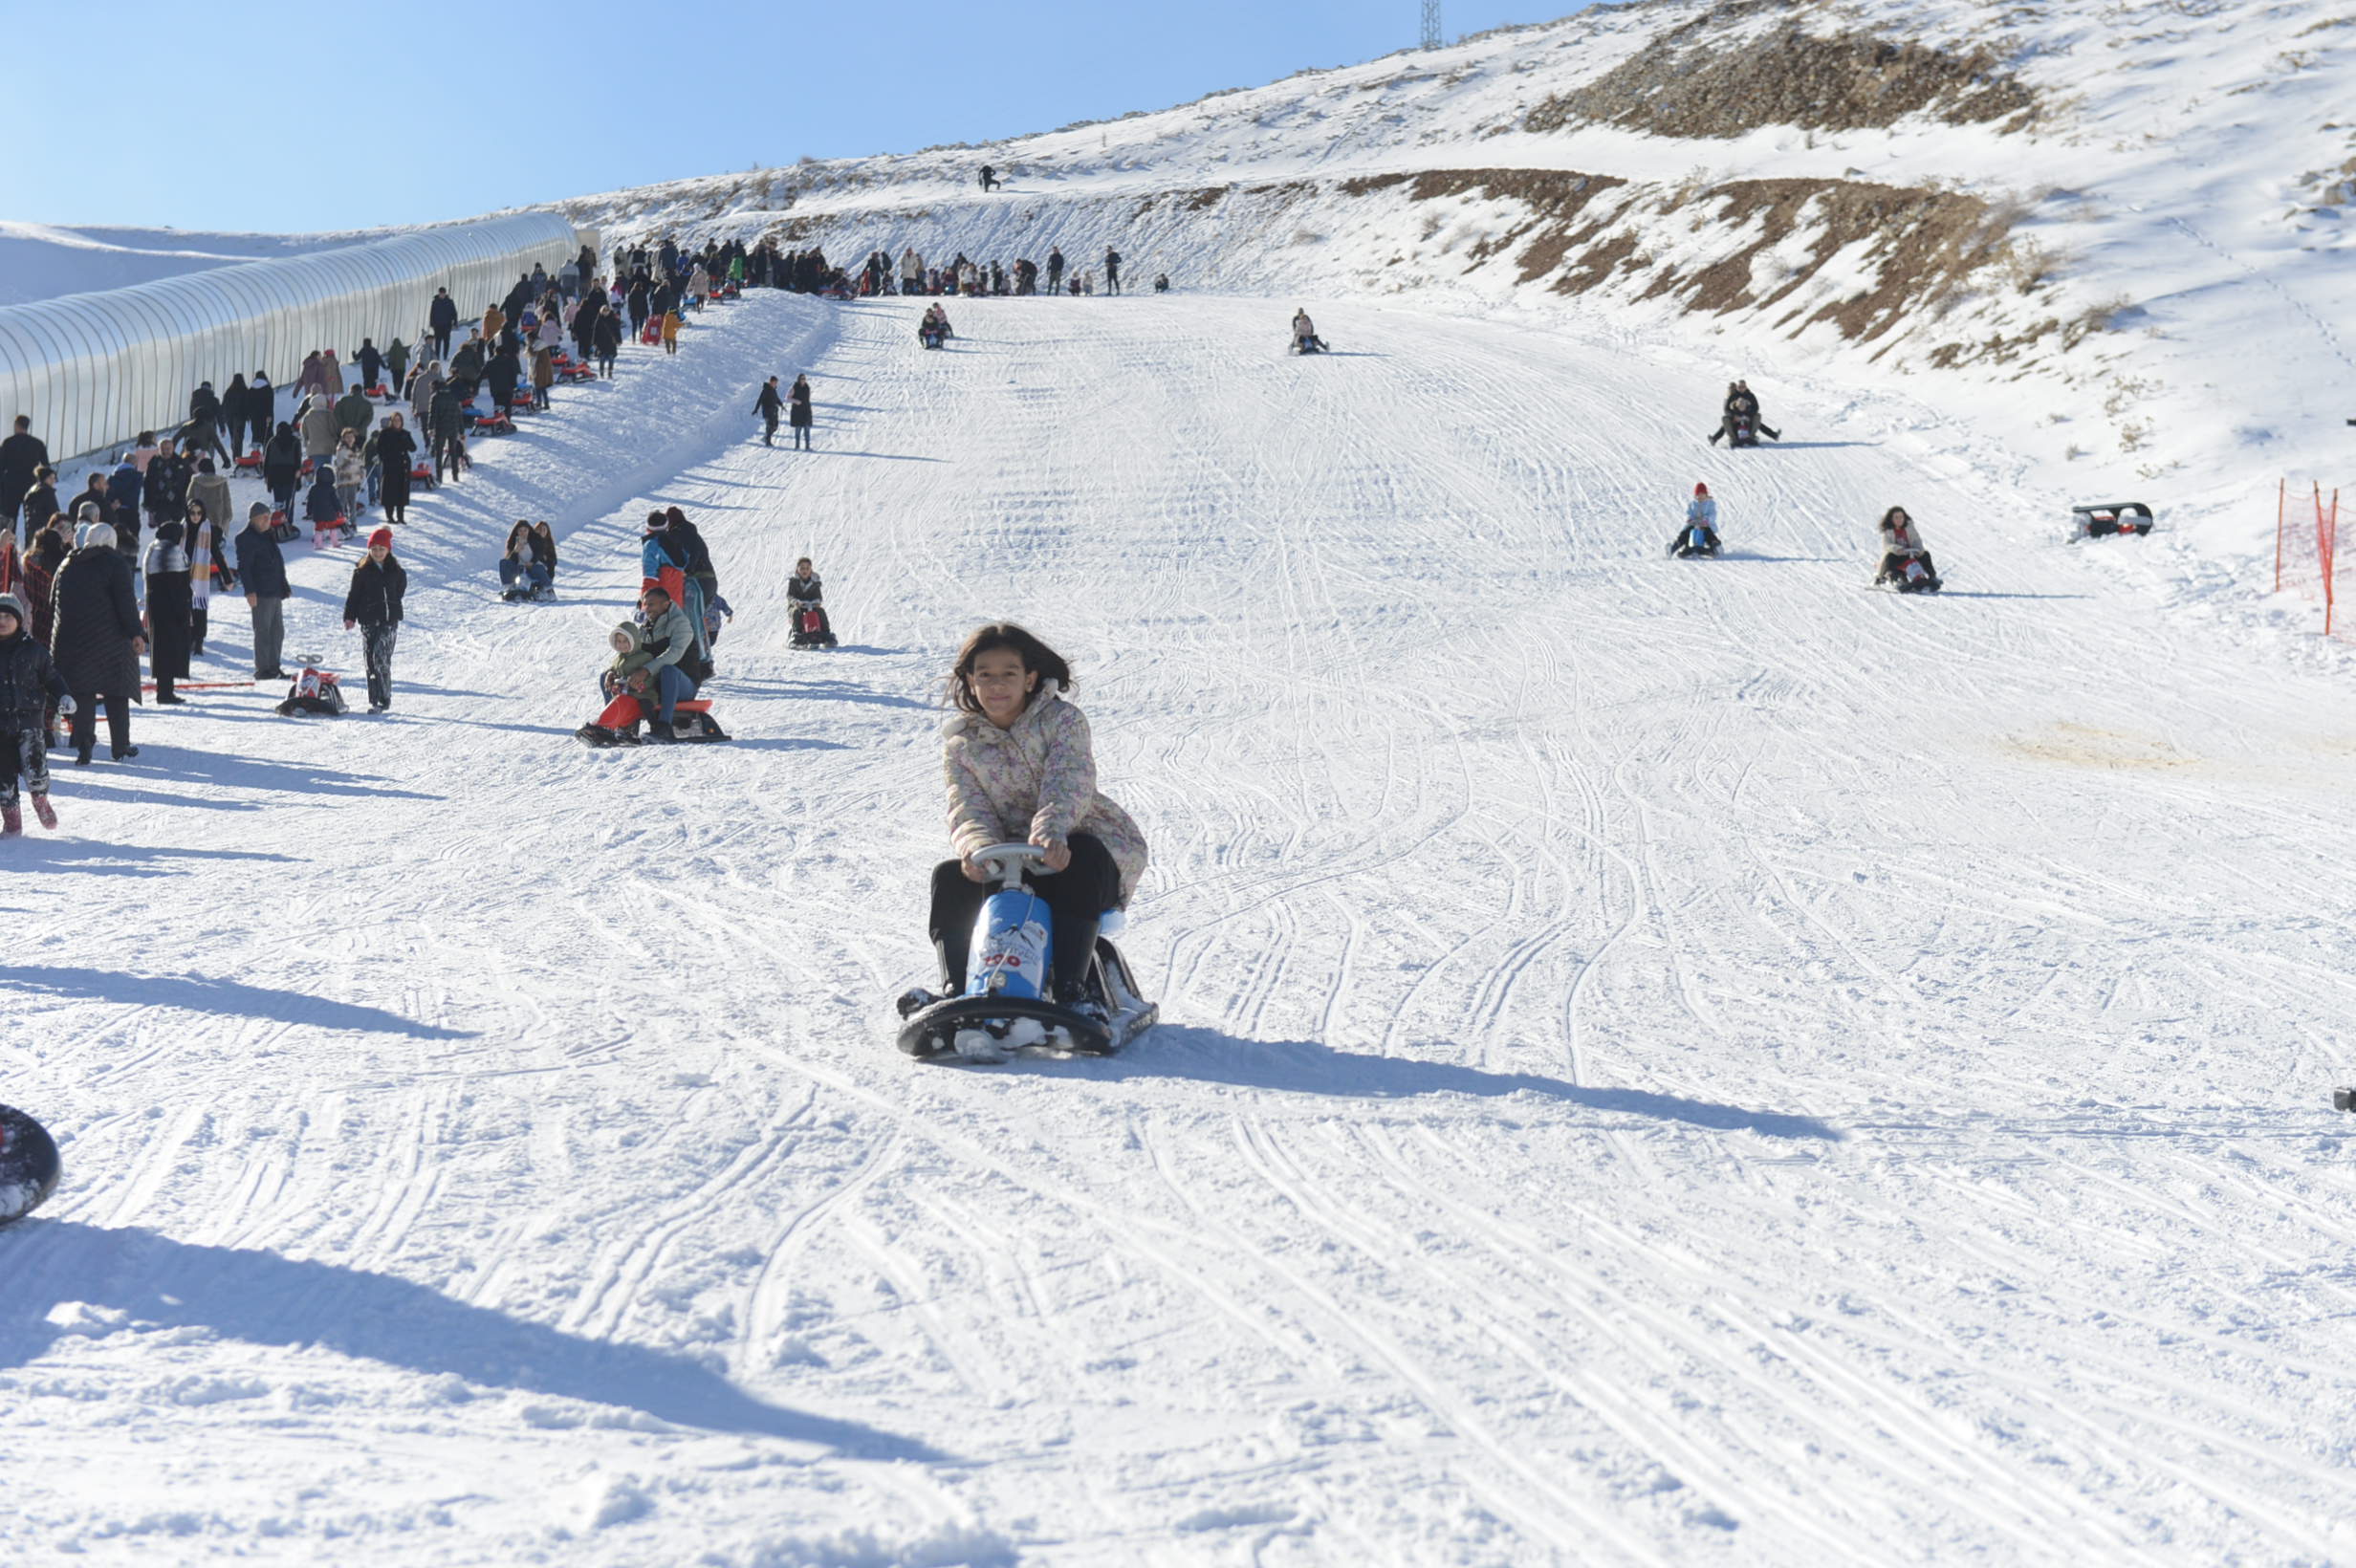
[[1682, 84]]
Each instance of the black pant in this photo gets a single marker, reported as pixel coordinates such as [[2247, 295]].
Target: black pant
[[377, 652], [85, 726], [768, 428], [1075, 895], [801, 438]]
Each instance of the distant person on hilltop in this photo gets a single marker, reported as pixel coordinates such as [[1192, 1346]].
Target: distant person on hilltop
[[1112, 270], [1055, 269], [989, 178]]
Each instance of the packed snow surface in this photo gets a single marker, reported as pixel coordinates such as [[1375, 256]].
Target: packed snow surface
[[1665, 1061]]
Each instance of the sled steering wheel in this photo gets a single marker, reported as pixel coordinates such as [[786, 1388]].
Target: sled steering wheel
[[1008, 861]]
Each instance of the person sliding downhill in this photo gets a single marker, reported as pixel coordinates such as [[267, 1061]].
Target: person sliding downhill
[[1699, 536], [1741, 406], [1906, 563], [1019, 767], [1305, 339], [934, 330]]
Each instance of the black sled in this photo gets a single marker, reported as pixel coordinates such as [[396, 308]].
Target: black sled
[[30, 1165], [1005, 1008]]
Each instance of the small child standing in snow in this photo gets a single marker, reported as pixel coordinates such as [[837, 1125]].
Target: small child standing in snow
[[374, 605], [29, 683]]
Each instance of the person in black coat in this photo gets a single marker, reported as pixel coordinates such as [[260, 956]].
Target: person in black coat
[[97, 640], [442, 316], [607, 343], [797, 414], [29, 684], [234, 406], [396, 450], [261, 566], [501, 375], [22, 455], [164, 492], [379, 583], [771, 408], [203, 436], [371, 364], [172, 612], [261, 408], [282, 464], [40, 502]]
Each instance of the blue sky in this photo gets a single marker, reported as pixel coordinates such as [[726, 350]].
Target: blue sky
[[272, 116]]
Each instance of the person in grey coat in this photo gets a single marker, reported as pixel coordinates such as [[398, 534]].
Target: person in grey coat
[[318, 428]]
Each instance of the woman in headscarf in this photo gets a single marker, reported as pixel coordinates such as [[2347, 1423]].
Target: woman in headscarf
[[97, 639], [170, 612]]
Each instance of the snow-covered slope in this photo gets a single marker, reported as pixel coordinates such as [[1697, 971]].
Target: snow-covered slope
[[42, 261], [2073, 225], [1666, 1063]]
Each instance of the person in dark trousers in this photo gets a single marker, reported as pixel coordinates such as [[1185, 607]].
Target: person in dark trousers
[[797, 413], [1741, 403], [396, 450], [374, 605], [234, 404], [29, 685], [261, 408], [989, 178], [371, 364], [261, 566], [22, 455], [282, 464], [172, 612], [203, 436], [442, 317], [1112, 270], [770, 408], [39, 503], [605, 339], [449, 434], [97, 640], [1055, 269]]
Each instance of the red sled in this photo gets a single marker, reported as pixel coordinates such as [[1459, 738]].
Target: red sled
[[377, 391], [494, 424], [249, 460], [618, 726], [576, 372], [653, 334]]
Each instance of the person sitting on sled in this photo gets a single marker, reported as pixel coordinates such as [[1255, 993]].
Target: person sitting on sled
[[1304, 333], [1700, 513], [1741, 403], [806, 597], [647, 661], [1902, 542], [1021, 768]]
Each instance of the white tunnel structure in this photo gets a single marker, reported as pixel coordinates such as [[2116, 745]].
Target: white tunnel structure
[[96, 369]]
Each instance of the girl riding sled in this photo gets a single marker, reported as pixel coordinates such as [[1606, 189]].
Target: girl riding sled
[[1019, 767]]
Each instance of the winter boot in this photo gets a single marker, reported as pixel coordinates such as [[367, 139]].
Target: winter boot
[[45, 812], [11, 822]]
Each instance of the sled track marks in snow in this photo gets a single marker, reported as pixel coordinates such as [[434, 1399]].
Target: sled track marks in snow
[[1667, 1059]]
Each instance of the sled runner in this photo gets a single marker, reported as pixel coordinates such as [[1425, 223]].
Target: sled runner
[[29, 1165], [618, 725], [2100, 520], [1006, 1007]]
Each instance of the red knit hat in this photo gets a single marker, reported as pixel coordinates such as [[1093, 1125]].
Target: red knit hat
[[1701, 489], [382, 536]]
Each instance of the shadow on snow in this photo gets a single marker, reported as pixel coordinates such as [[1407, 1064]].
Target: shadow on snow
[[263, 1299], [230, 998], [1303, 1067]]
